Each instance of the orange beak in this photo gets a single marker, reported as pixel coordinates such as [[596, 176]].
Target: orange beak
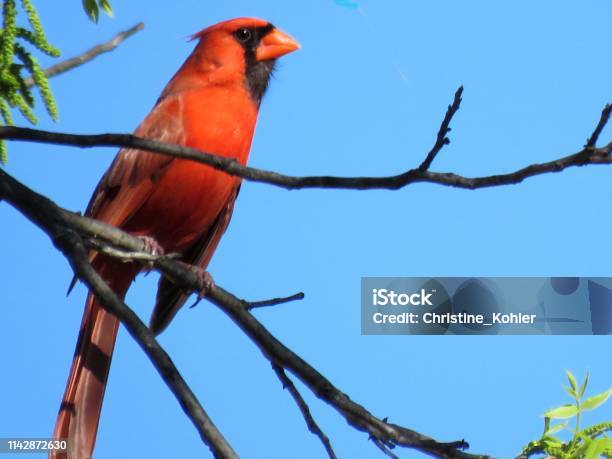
[[274, 45]]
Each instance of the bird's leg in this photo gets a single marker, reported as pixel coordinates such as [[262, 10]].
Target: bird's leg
[[205, 281]]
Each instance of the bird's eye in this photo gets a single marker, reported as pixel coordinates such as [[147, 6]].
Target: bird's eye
[[244, 35]]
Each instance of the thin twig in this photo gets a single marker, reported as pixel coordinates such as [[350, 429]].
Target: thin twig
[[273, 301], [384, 448], [441, 138], [89, 55], [603, 120], [304, 409]]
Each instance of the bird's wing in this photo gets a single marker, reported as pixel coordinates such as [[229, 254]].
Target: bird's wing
[[132, 176], [170, 298]]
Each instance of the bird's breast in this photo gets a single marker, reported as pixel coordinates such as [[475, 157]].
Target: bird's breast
[[189, 196]]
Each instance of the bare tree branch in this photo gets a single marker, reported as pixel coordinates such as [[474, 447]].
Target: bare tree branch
[[66, 230], [589, 155], [76, 254], [89, 55], [603, 120], [356, 415], [47, 216], [301, 403]]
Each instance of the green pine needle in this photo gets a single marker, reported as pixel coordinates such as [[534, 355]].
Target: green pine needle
[[5, 112], [40, 79], [24, 90], [598, 429], [9, 33], [3, 152], [16, 61], [42, 45], [10, 82], [24, 108], [40, 40]]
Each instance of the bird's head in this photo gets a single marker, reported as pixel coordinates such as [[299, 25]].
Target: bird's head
[[243, 48]]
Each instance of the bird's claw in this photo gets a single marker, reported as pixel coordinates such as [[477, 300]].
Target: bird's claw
[[151, 246], [205, 281]]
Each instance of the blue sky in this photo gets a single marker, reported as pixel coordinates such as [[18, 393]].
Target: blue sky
[[365, 95]]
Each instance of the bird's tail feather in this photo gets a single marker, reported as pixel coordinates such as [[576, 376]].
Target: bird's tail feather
[[79, 412]]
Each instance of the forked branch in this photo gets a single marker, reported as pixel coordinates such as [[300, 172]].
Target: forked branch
[[588, 155], [71, 232]]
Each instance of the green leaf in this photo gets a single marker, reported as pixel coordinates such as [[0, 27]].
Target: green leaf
[[572, 380], [562, 412], [551, 443], [554, 441], [106, 6], [556, 428], [579, 449], [597, 447], [92, 10], [572, 393], [584, 384], [593, 402]]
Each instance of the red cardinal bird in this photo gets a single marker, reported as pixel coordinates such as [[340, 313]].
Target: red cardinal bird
[[210, 104]]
